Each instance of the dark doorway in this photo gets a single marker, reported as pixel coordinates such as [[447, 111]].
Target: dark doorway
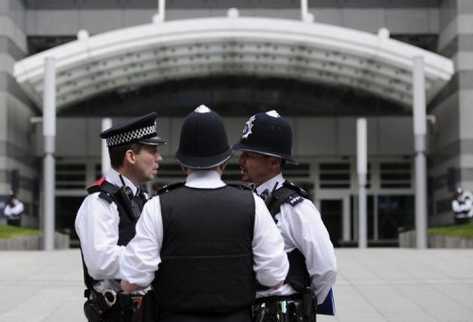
[[332, 214]]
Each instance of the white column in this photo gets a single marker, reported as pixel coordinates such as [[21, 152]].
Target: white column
[[420, 132], [49, 134], [346, 230], [304, 9], [162, 9], [362, 167], [106, 124]]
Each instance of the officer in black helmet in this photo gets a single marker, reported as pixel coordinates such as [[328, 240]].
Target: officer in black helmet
[[106, 220], [266, 146], [203, 244]]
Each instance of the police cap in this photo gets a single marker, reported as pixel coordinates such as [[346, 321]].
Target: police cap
[[139, 130]]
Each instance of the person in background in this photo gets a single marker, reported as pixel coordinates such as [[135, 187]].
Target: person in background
[[462, 206], [13, 211]]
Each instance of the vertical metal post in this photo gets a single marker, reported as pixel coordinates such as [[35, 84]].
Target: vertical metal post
[[346, 231], [49, 134], [362, 166], [106, 124], [162, 9], [304, 9], [420, 132]]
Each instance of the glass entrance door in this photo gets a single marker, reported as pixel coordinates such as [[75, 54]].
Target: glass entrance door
[[331, 211]]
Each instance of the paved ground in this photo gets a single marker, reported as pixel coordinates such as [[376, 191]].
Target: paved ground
[[373, 285]]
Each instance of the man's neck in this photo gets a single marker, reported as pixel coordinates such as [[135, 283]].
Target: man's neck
[[127, 174]]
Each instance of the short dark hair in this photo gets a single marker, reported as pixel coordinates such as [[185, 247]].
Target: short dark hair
[[117, 153]]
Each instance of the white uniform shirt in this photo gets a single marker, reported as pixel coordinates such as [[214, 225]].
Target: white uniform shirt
[[142, 255], [463, 205], [14, 211], [97, 227], [301, 227]]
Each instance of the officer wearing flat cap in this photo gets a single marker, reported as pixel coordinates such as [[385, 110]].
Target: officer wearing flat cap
[[106, 220], [203, 244], [266, 146]]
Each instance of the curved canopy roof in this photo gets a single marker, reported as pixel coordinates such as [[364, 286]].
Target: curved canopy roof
[[128, 58]]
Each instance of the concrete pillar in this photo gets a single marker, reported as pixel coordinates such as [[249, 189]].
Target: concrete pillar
[[362, 169], [420, 133], [106, 124], [49, 134]]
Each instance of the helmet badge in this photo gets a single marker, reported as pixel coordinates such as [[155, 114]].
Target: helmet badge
[[248, 127]]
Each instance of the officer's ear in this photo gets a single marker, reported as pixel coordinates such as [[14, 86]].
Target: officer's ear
[[130, 156]]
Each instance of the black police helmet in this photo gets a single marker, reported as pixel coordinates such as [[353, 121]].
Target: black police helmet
[[203, 143], [267, 133]]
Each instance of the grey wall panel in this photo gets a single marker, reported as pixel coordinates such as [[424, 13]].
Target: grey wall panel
[[446, 128], [346, 136], [234, 127], [406, 20], [94, 127], [400, 19], [317, 136], [165, 131], [72, 137], [466, 111], [395, 136], [10, 29], [7, 46], [52, 22], [369, 20]]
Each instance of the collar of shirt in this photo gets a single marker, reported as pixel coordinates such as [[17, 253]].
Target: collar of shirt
[[114, 178], [271, 185], [204, 179]]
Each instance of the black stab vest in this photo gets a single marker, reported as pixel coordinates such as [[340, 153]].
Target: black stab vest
[[129, 210], [298, 276], [207, 258]]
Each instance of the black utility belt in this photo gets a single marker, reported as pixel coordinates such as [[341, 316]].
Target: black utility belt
[[279, 298]]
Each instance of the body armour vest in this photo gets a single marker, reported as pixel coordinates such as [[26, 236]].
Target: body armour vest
[[207, 258], [129, 210], [298, 276]]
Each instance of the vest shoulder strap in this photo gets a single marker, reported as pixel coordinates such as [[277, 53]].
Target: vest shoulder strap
[[170, 187], [289, 193], [106, 190]]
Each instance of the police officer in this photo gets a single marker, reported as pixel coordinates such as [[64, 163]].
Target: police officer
[[462, 206], [266, 145], [14, 210], [106, 220], [202, 243]]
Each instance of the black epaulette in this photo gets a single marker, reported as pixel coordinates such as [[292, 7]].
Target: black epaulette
[[106, 190], [296, 188], [240, 186], [289, 193], [170, 187]]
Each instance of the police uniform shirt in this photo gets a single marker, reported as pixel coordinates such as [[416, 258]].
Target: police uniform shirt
[[14, 211], [301, 227], [142, 255], [97, 227]]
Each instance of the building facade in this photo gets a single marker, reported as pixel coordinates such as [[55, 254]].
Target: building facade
[[323, 115]]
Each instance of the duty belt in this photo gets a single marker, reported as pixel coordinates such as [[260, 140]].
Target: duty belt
[[290, 308], [99, 303]]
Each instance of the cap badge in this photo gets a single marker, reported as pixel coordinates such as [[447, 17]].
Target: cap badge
[[248, 127], [273, 113]]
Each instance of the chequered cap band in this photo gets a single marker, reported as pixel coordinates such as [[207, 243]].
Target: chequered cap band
[[131, 136]]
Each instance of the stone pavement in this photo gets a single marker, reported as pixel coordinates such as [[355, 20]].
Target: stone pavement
[[373, 285]]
